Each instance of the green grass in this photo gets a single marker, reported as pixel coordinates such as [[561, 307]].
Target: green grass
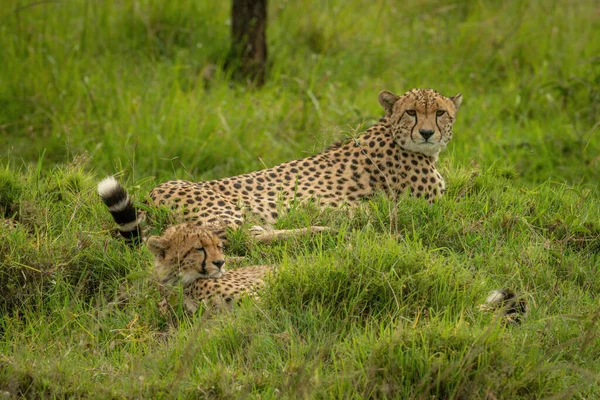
[[385, 305]]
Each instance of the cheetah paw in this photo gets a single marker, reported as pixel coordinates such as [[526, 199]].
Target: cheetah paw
[[257, 230]]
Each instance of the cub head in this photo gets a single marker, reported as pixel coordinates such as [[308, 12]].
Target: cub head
[[421, 119], [185, 253]]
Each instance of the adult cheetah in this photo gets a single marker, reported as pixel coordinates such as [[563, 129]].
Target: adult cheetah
[[395, 156], [192, 256]]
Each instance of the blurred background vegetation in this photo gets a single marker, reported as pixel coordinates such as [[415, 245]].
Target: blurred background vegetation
[[134, 83]]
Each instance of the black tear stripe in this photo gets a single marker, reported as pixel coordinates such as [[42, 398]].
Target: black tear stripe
[[438, 126], [414, 126], [187, 253], [204, 271]]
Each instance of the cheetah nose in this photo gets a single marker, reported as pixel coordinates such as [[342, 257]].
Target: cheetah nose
[[219, 263], [426, 133]]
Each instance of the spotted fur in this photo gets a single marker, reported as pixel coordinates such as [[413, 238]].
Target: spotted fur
[[192, 256], [185, 253], [222, 292], [395, 156]]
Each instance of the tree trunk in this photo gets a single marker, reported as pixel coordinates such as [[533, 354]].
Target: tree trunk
[[249, 43]]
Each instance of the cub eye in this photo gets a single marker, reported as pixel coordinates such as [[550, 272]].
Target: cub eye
[[412, 113], [439, 113], [200, 248]]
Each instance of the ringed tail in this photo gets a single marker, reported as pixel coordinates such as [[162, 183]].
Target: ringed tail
[[116, 198]]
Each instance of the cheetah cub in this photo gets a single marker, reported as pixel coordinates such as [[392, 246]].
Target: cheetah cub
[[191, 256]]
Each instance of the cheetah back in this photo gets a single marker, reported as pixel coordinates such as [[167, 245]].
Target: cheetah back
[[396, 155]]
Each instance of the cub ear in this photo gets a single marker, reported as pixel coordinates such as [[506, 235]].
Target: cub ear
[[157, 246], [457, 100], [387, 101]]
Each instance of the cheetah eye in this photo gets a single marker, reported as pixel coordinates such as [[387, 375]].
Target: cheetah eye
[[439, 113], [200, 248], [412, 113]]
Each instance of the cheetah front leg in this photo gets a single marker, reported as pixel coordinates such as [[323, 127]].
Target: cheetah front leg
[[268, 235]]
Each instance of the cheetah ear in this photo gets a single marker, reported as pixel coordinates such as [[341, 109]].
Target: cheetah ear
[[457, 100], [157, 246], [387, 101]]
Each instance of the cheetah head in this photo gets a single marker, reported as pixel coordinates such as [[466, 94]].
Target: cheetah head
[[421, 119], [185, 253]]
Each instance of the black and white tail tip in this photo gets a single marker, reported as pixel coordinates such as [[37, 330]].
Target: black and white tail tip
[[512, 306], [116, 198]]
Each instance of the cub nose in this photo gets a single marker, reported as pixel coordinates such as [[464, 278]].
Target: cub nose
[[219, 263], [426, 133]]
